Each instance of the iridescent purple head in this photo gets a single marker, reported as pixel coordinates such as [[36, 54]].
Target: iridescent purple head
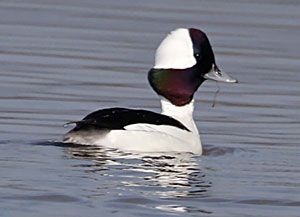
[[183, 60]]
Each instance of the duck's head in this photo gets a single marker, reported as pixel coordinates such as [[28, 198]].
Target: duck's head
[[183, 60]]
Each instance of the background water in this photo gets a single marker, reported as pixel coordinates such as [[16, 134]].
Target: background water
[[60, 60]]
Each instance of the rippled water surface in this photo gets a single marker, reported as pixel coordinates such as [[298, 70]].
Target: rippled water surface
[[62, 59]]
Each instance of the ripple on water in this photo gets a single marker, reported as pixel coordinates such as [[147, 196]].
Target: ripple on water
[[60, 60]]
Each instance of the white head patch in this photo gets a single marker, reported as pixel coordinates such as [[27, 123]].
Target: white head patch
[[175, 51]]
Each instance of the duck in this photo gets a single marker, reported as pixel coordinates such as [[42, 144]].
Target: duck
[[183, 61]]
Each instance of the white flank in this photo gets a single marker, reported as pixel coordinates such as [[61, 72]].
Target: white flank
[[175, 51], [148, 137]]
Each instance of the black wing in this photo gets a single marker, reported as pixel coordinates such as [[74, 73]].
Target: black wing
[[118, 118]]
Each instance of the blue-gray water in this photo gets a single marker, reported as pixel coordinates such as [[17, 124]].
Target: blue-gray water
[[61, 59]]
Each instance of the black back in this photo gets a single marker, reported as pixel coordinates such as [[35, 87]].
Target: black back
[[118, 118]]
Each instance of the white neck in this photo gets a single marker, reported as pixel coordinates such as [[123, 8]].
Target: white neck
[[184, 114]]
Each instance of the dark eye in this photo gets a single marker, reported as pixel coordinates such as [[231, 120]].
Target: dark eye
[[197, 55]]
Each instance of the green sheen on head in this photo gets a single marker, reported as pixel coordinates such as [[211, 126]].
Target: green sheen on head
[[182, 61]]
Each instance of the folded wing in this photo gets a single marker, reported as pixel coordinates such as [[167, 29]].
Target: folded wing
[[119, 118]]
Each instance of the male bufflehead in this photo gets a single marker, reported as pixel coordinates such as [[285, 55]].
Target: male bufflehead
[[183, 61]]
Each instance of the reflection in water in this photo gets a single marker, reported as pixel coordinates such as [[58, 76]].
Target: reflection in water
[[173, 175], [60, 60], [182, 209], [180, 174]]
